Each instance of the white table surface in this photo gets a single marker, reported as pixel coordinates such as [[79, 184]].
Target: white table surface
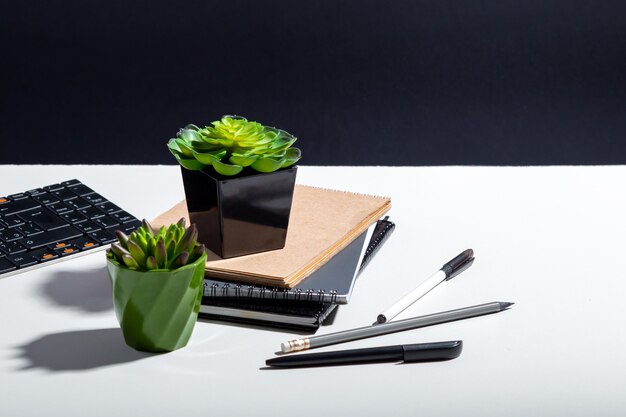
[[550, 239]]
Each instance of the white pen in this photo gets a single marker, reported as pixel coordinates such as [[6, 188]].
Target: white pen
[[451, 269]]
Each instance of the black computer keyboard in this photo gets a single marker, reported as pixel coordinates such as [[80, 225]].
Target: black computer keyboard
[[57, 222]]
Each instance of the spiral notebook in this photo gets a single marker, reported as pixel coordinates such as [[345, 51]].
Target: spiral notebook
[[296, 308], [332, 283]]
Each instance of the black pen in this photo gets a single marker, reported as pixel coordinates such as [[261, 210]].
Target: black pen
[[420, 352], [448, 271]]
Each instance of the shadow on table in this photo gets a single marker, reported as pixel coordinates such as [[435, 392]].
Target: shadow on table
[[79, 350], [89, 290]]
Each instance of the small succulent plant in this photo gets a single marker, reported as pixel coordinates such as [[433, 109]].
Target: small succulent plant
[[233, 143], [165, 249]]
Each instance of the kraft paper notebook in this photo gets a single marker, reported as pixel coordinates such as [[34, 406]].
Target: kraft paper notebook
[[322, 223]]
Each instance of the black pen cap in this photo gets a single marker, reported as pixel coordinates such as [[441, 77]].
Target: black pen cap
[[459, 264], [437, 351]]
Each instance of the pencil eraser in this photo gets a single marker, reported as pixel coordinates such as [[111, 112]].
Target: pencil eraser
[[285, 347]]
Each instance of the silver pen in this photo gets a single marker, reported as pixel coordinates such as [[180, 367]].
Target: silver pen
[[395, 326]]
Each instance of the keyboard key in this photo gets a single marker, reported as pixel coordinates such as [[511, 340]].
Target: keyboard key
[[84, 243], [29, 229], [3, 225], [9, 235], [78, 203], [123, 217], [130, 227], [13, 221], [46, 199], [6, 265], [108, 207], [95, 199], [106, 222], [17, 196], [70, 183], [59, 245], [67, 250], [35, 191], [81, 190], [44, 218], [43, 255], [64, 194], [17, 206], [74, 217], [53, 187], [22, 259], [87, 226], [43, 239], [59, 208], [92, 212], [103, 236], [11, 247]]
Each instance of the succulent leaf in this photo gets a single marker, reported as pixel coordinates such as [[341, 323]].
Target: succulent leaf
[[160, 254], [292, 155], [118, 251], [242, 159], [226, 169], [122, 238], [130, 262], [264, 164]]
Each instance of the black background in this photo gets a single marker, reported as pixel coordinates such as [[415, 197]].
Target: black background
[[359, 82]]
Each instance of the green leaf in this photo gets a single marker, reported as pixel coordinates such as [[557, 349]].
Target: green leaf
[[191, 164], [151, 263], [242, 159], [171, 249], [226, 169], [189, 135], [130, 262], [119, 252], [122, 238], [160, 253], [180, 260], [173, 147], [207, 158], [267, 164], [137, 253], [292, 155], [185, 148]]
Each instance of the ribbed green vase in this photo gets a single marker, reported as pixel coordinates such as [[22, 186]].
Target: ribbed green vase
[[157, 310]]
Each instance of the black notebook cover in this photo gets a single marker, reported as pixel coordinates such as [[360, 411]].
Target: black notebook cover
[[332, 283], [300, 315]]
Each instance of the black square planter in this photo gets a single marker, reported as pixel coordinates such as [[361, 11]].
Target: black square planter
[[243, 214]]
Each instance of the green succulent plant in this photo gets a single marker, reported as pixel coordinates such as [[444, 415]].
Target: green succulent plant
[[165, 249], [233, 143]]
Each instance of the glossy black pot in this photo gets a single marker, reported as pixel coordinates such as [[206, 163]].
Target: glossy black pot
[[240, 215]]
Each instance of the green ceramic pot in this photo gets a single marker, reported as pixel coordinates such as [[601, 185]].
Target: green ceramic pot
[[157, 309]]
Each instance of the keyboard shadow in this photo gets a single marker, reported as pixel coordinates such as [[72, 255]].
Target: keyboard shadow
[[78, 351], [89, 290]]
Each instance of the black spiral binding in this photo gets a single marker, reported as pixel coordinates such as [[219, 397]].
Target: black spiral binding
[[273, 293], [382, 231]]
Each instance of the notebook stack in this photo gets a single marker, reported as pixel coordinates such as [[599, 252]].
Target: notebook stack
[[332, 236]]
